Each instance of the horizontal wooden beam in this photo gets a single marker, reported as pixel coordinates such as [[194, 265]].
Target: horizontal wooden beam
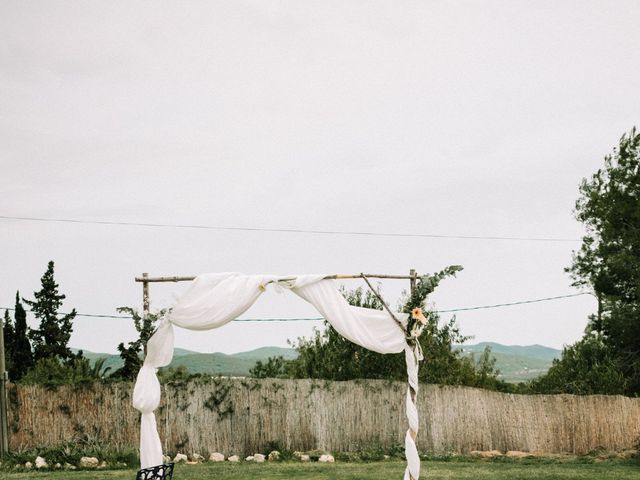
[[328, 277], [165, 279]]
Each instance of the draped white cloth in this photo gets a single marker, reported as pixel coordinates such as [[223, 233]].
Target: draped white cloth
[[213, 300]]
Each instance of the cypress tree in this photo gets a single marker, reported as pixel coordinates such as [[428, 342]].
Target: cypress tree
[[9, 336], [22, 358], [51, 339]]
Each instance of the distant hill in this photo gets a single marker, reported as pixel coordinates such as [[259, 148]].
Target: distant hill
[[516, 363], [266, 352], [235, 364]]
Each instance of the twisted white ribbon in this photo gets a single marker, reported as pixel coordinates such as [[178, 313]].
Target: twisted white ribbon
[[412, 356]]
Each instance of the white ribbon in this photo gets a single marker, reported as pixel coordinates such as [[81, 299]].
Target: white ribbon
[[410, 448]]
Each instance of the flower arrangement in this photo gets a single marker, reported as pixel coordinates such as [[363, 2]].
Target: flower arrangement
[[415, 304], [416, 323]]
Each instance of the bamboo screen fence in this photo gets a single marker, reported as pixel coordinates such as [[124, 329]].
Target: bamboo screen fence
[[240, 416]]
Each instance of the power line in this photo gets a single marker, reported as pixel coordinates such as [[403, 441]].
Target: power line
[[521, 302], [289, 230], [317, 319]]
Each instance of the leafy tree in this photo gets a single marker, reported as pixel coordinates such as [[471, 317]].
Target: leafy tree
[[21, 355], [51, 339], [486, 373], [273, 367], [586, 368], [132, 353], [608, 263], [328, 355]]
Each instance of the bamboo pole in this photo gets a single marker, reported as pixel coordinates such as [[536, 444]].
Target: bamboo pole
[[145, 304], [145, 293], [413, 393], [384, 304], [412, 280], [146, 279]]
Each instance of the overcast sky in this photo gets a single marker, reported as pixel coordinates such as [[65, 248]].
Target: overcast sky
[[456, 118]]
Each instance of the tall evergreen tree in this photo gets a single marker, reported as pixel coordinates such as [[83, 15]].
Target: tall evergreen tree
[[607, 358], [9, 336], [51, 339], [609, 260], [22, 357]]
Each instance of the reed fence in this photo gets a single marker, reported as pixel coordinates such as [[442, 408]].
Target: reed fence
[[241, 416]]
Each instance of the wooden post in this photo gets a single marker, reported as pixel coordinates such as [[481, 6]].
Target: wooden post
[[412, 280], [145, 303], [4, 378], [145, 294], [412, 391]]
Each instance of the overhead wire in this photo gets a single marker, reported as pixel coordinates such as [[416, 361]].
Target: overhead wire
[[290, 230], [317, 319], [305, 231]]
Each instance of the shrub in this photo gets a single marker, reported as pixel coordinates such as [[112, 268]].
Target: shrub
[[71, 452]]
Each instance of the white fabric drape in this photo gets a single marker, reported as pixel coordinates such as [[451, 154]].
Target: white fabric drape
[[213, 300]]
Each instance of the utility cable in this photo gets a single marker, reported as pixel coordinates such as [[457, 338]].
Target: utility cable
[[291, 230], [317, 319]]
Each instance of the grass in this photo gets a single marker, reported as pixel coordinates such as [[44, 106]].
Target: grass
[[441, 470]]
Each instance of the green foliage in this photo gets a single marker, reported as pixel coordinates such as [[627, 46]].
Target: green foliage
[[486, 373], [219, 400], [587, 367], [274, 367], [9, 334], [608, 262], [426, 285], [371, 453], [52, 372], [328, 355], [71, 452], [98, 369], [274, 445], [177, 374], [21, 355], [51, 339], [132, 353]]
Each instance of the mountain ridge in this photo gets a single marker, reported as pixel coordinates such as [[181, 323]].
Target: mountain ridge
[[516, 363]]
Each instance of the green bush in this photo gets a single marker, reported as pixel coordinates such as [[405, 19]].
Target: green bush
[[51, 372], [71, 452]]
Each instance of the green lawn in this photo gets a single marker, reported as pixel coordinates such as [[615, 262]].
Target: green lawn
[[473, 470]]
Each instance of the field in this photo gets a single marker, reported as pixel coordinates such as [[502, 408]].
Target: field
[[459, 470]]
